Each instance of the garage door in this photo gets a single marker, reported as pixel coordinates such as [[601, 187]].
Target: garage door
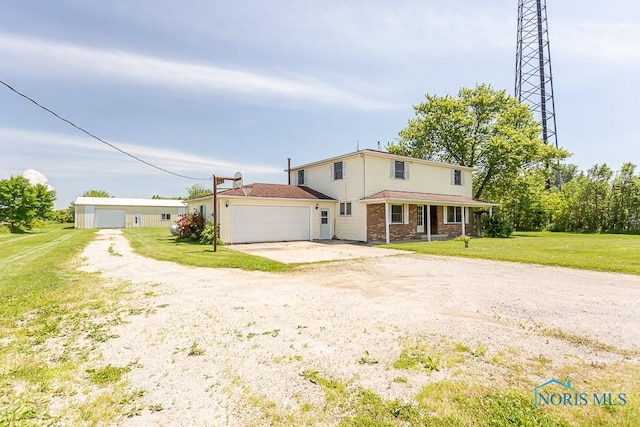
[[109, 218], [270, 223]]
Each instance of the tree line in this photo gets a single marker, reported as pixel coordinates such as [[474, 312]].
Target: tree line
[[492, 132]]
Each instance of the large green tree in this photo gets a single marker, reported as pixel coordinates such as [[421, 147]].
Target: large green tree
[[96, 193], [21, 203], [197, 190], [482, 128]]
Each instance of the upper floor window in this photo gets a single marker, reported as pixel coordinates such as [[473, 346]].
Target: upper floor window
[[301, 177], [398, 170], [457, 177], [338, 170]]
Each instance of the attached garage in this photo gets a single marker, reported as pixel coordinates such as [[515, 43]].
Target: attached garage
[[270, 223], [269, 213]]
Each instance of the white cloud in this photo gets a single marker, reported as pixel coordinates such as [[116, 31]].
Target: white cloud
[[66, 155], [67, 60], [36, 177]]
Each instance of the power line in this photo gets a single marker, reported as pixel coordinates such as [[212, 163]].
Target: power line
[[98, 138]]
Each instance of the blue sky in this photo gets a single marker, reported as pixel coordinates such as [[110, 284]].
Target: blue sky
[[207, 87]]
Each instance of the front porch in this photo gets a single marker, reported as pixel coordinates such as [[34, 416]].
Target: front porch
[[419, 222], [400, 216]]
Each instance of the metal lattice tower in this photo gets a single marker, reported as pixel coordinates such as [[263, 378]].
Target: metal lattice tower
[[534, 82]]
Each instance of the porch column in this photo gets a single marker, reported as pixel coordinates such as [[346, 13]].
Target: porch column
[[490, 211], [386, 222], [428, 215], [463, 221]]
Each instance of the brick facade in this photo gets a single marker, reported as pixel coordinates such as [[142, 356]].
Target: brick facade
[[399, 232]]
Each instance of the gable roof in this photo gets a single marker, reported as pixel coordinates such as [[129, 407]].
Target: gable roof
[[384, 154], [121, 201], [275, 191], [437, 199]]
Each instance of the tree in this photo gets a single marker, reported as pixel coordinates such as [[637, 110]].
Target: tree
[[21, 203], [96, 193], [197, 190], [481, 128]]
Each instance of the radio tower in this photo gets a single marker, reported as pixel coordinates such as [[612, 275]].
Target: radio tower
[[534, 83]]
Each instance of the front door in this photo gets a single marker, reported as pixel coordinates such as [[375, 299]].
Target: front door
[[325, 224], [420, 219], [137, 220], [434, 219]]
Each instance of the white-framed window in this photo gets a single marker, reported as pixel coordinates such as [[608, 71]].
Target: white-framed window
[[397, 214], [165, 216], [457, 178], [454, 215], [345, 208], [301, 177], [338, 170], [399, 169]]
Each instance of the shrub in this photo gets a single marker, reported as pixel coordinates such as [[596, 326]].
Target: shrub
[[207, 234], [498, 226], [190, 225]]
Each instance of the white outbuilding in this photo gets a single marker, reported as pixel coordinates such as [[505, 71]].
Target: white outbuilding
[[114, 212]]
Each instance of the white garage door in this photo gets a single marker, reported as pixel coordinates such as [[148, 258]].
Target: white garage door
[[270, 223], [109, 218]]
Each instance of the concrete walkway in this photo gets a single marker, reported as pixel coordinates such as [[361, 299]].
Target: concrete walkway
[[302, 252]]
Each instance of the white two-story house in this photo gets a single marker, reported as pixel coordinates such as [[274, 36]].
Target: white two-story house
[[367, 195]]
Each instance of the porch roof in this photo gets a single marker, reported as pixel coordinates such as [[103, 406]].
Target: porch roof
[[390, 196]]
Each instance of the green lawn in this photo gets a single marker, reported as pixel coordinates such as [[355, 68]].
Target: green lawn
[[603, 252], [43, 299], [159, 244]]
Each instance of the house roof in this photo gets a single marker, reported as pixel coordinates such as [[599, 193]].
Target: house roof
[[436, 199], [377, 153], [275, 191], [119, 201]]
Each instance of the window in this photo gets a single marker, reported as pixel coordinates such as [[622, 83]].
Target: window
[[338, 170], [165, 216], [398, 170], [324, 217], [396, 214], [457, 177], [301, 177], [345, 208], [454, 215]]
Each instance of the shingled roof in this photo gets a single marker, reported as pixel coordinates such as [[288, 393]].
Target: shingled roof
[[408, 196], [277, 191]]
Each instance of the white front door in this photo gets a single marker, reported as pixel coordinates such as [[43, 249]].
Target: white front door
[[325, 224], [137, 220], [420, 219]]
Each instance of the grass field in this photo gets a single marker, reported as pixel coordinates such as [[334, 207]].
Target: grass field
[[51, 316], [602, 252], [159, 244]]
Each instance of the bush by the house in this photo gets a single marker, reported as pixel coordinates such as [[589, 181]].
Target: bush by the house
[[498, 225], [191, 225], [208, 234]]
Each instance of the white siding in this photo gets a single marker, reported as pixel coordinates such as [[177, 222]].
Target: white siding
[[349, 189], [423, 178]]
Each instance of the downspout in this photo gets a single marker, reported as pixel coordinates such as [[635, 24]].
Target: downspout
[[289, 170]]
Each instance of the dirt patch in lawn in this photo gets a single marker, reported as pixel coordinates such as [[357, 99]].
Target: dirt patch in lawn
[[230, 347]]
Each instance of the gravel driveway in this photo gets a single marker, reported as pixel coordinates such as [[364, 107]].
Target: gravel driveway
[[256, 332]]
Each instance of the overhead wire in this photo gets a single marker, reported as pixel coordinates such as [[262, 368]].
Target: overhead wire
[[98, 138]]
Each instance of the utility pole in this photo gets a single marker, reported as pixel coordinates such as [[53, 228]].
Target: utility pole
[[216, 222]]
